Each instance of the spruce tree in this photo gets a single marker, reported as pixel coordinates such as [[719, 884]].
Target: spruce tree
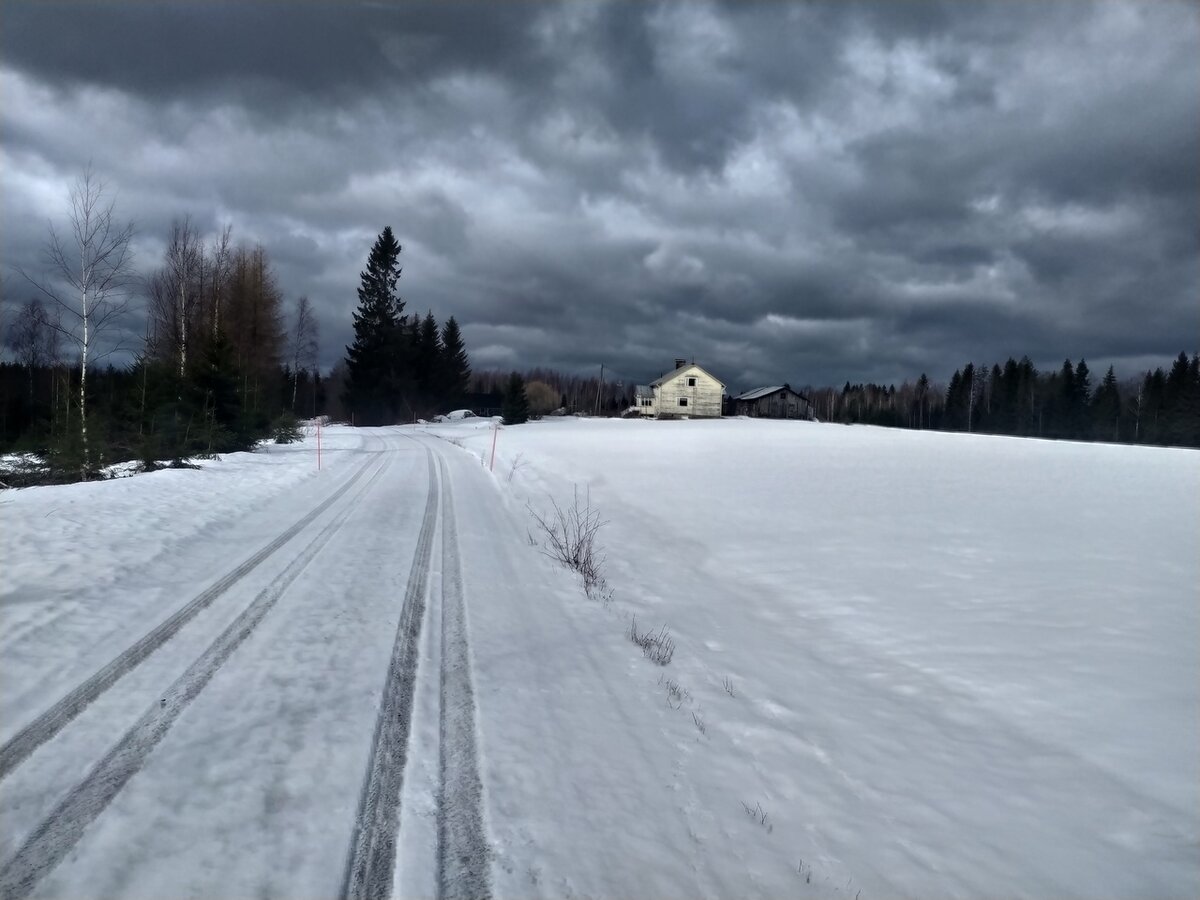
[[216, 380], [955, 416], [1153, 397], [1006, 403], [1181, 411], [515, 407], [1083, 383], [1190, 407], [373, 360], [1080, 399], [923, 401], [1028, 412], [1106, 409], [991, 417], [1063, 424], [427, 358], [455, 366], [970, 384]]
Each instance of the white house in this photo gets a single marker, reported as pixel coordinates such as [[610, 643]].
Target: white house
[[687, 392]]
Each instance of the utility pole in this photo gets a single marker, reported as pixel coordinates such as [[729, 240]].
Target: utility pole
[[599, 387]]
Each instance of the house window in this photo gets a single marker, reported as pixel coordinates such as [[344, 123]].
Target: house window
[[683, 401], [691, 382]]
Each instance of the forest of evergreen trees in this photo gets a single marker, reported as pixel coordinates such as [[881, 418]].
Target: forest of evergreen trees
[[1016, 399], [397, 369]]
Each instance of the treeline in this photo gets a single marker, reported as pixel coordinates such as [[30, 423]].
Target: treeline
[[1161, 407], [397, 369], [219, 366], [548, 390], [220, 362]]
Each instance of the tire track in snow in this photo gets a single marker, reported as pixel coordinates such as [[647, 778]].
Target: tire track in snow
[[62, 828], [58, 716], [464, 856], [372, 857]]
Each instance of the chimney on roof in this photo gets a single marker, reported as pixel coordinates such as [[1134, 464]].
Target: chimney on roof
[[680, 363]]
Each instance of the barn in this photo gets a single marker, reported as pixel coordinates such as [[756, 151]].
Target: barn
[[686, 392], [774, 402]]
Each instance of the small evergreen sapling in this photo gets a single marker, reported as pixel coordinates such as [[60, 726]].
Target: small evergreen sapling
[[515, 407]]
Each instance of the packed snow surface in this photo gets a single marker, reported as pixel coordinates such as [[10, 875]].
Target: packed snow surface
[[961, 665], [906, 664]]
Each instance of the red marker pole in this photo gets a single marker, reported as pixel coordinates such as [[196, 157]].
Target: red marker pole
[[495, 431]]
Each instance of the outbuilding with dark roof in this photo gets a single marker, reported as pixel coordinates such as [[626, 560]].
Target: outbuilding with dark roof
[[773, 402]]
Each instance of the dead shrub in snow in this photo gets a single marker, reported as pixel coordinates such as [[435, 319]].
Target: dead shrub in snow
[[676, 695], [658, 647], [758, 814], [571, 539], [517, 465], [804, 871]]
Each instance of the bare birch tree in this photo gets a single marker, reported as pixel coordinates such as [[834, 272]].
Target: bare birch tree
[[31, 338], [304, 343], [185, 294], [182, 268], [221, 255], [89, 277]]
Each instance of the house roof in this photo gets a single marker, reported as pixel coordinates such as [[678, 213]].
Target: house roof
[[643, 390], [658, 381], [758, 393]]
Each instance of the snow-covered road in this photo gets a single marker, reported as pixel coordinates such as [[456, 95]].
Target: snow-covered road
[[249, 740]]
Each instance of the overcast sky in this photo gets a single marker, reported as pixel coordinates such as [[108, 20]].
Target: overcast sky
[[801, 192]]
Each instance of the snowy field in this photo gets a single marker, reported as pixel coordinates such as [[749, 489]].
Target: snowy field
[[906, 664], [962, 665]]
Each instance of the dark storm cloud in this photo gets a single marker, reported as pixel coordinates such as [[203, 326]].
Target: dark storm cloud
[[803, 192], [303, 49]]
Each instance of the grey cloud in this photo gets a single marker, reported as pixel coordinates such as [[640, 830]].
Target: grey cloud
[[260, 49], [803, 192]]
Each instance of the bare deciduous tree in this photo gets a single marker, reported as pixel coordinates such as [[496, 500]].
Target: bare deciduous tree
[[221, 254], [542, 397], [90, 272], [31, 338], [304, 343], [178, 285], [186, 295]]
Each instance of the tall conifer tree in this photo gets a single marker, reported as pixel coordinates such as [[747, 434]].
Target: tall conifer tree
[[1106, 409], [427, 357], [373, 361], [456, 367]]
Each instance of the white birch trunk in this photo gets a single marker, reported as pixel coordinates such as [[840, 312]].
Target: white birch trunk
[[183, 311], [83, 361]]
